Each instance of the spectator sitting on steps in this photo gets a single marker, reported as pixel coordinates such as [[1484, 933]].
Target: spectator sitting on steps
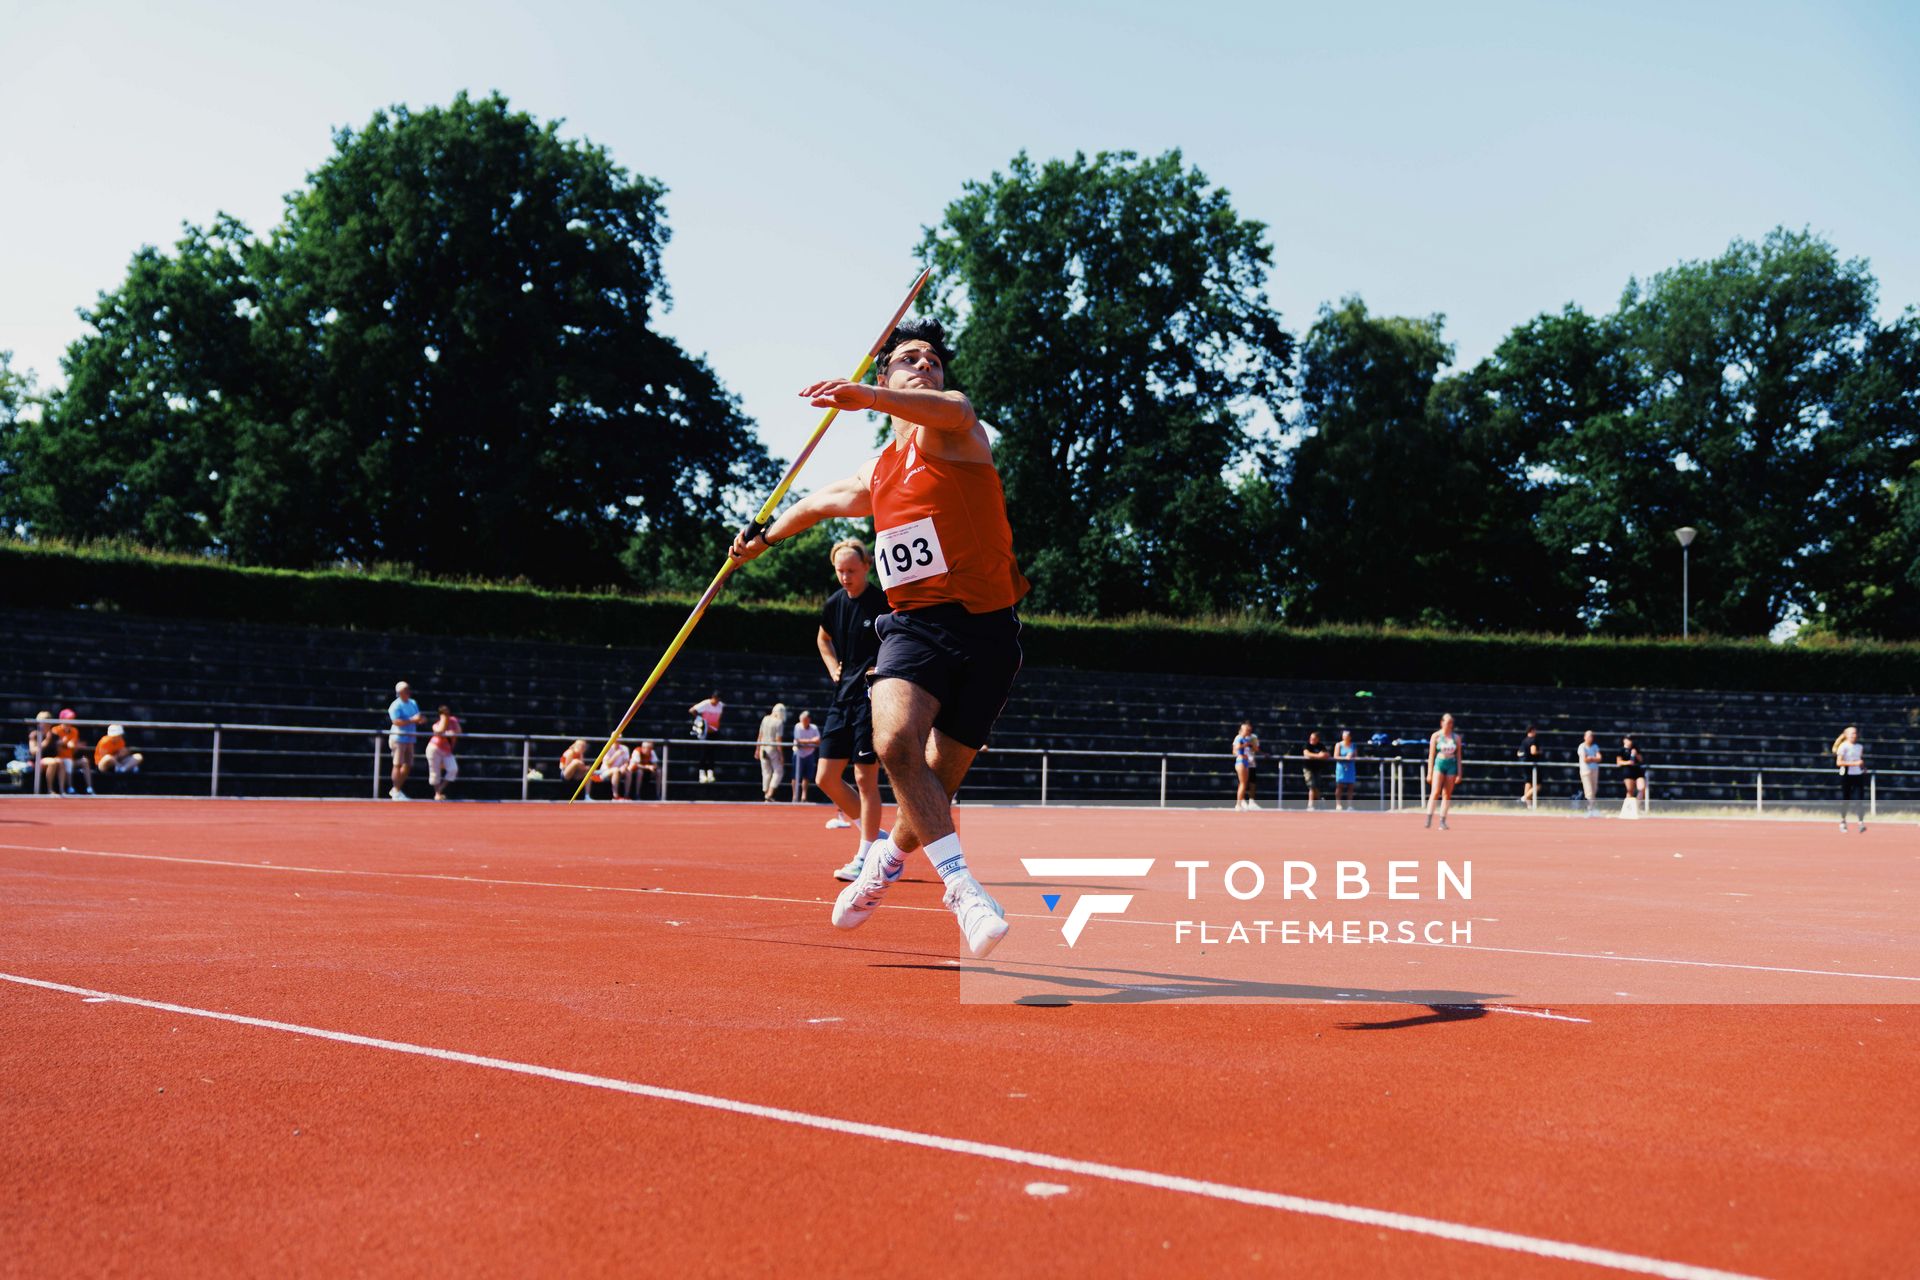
[[643, 772], [44, 747], [77, 754], [112, 755], [574, 765], [613, 770]]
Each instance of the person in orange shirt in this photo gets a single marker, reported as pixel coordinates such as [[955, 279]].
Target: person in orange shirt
[[574, 765], [73, 750], [950, 649], [111, 753]]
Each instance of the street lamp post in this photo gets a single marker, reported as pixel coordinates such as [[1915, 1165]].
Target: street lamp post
[[1686, 537]]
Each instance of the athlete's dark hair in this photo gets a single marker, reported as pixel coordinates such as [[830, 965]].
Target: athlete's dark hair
[[920, 329]]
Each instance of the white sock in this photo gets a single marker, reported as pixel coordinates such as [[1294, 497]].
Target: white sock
[[892, 860], [864, 846], [947, 859]]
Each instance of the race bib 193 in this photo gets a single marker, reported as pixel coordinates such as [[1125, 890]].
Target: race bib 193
[[908, 553]]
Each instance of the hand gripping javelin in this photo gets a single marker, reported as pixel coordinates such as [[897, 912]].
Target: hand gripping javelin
[[758, 526]]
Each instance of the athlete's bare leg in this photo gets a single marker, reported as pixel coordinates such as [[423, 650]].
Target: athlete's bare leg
[[828, 777], [866, 777], [925, 765], [863, 809]]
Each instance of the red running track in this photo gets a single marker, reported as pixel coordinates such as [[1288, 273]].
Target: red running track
[[678, 962]]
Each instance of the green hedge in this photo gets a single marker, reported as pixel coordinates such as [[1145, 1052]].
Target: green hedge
[[138, 582]]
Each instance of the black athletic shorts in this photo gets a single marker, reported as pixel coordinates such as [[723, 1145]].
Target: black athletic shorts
[[966, 660], [848, 732]]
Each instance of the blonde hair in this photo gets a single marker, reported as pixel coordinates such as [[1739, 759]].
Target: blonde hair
[[849, 544], [1837, 742]]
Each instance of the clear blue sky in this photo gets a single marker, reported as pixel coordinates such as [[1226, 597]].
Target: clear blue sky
[[1488, 161]]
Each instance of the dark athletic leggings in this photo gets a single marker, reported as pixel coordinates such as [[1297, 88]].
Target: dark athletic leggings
[[1853, 794]]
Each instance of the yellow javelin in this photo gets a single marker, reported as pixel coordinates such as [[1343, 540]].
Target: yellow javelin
[[759, 526]]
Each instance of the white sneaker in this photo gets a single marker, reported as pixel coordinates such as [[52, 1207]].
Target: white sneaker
[[858, 900], [838, 822], [1253, 804], [982, 923], [396, 794], [852, 870], [1843, 826]]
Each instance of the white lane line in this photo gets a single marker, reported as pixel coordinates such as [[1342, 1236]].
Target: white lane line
[[815, 902], [1524, 1013], [1413, 1224], [1691, 964]]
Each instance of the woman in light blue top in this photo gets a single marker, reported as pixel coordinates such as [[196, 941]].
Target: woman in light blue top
[[1346, 774]]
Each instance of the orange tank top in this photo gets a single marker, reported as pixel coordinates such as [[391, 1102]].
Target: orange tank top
[[941, 533]]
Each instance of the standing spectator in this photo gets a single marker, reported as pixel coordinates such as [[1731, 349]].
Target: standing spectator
[[111, 754], [806, 748], [1314, 771], [1633, 773], [1246, 753], [77, 754], [766, 749], [1531, 753], [404, 712], [1849, 756], [1346, 773], [1444, 767], [614, 772], [574, 764], [848, 646], [644, 769], [442, 769], [50, 770], [706, 726], [1588, 756]]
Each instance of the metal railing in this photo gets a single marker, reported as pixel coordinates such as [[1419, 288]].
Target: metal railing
[[221, 759]]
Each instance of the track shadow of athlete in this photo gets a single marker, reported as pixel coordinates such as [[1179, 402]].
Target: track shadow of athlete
[[1082, 985]]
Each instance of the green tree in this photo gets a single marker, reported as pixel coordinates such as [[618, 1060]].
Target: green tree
[[1746, 374], [1865, 573], [444, 357], [16, 399], [1117, 334], [139, 443], [1549, 382], [1375, 487]]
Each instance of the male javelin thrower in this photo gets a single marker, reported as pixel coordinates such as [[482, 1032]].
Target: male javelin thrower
[[951, 648]]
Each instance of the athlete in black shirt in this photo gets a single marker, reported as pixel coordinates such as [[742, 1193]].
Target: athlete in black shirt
[[848, 646]]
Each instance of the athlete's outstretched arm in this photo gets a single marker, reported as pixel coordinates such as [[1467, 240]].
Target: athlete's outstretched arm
[[849, 497], [935, 410]]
